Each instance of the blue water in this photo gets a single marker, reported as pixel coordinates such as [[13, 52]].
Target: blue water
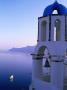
[[20, 66]]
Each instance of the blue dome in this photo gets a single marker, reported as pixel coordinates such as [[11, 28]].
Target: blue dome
[[55, 6]]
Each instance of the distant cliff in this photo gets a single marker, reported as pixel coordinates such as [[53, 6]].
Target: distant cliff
[[28, 49]]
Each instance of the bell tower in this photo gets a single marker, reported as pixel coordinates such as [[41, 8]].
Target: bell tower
[[52, 29], [51, 46]]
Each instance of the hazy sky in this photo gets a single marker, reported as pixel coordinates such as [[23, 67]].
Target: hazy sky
[[19, 21]]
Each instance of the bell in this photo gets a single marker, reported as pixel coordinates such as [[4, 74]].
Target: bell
[[47, 63]]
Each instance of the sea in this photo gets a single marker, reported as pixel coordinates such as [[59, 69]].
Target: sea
[[15, 71]]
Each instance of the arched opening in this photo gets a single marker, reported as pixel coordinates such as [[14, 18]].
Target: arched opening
[[66, 34], [42, 52], [65, 68], [57, 32], [55, 12], [43, 31]]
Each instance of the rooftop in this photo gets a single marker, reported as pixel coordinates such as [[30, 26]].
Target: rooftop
[[61, 9]]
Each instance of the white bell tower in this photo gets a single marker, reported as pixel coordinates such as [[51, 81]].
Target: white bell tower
[[52, 36]]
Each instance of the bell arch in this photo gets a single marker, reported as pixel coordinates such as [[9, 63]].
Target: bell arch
[[43, 31], [45, 65], [57, 31], [55, 12], [43, 53], [65, 33]]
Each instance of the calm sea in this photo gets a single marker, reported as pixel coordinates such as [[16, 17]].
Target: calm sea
[[15, 71]]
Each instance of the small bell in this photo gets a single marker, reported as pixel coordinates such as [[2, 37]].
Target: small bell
[[47, 63]]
